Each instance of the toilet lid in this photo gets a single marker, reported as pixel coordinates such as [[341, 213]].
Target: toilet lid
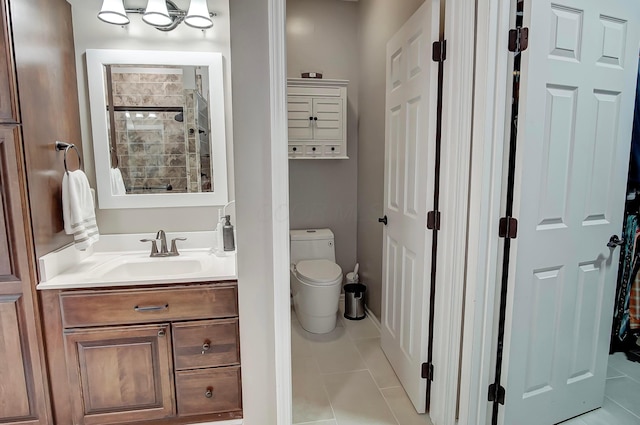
[[319, 271]]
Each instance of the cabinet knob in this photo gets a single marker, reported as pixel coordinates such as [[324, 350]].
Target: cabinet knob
[[162, 333], [313, 149], [333, 149], [315, 118], [310, 118], [206, 346], [294, 149], [209, 392]]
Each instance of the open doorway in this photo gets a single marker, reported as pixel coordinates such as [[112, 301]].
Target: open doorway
[[343, 376]]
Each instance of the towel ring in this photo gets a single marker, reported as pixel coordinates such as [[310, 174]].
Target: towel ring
[[65, 147]]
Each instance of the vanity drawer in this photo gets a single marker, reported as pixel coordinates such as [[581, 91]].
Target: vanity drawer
[[206, 343], [208, 391], [112, 307]]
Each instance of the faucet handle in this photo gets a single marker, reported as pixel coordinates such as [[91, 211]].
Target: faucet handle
[[174, 248], [154, 246]]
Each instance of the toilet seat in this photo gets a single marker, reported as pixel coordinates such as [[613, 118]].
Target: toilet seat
[[318, 272]]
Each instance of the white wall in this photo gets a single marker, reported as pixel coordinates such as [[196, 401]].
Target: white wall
[[91, 33], [379, 21], [322, 36]]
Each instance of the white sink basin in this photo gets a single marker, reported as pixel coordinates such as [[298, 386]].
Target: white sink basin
[[151, 267]]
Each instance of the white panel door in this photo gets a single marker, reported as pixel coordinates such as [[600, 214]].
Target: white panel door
[[328, 120], [411, 90], [300, 113], [577, 100]]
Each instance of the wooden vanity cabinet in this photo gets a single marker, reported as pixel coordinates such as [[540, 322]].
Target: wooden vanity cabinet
[[161, 355]]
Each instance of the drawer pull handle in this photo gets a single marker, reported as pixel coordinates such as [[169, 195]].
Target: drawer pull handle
[[162, 333], [206, 346], [151, 308], [209, 392]]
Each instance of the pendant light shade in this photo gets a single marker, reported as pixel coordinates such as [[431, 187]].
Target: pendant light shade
[[157, 14], [113, 12], [198, 15]]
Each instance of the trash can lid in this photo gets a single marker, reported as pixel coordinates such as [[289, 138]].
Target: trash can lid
[[319, 271], [355, 287]]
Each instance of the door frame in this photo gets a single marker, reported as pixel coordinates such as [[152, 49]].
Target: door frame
[[456, 195], [491, 117]]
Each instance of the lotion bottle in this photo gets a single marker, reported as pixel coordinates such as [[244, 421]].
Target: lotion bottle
[[229, 243]]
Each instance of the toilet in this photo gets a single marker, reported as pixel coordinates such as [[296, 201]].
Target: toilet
[[316, 279]]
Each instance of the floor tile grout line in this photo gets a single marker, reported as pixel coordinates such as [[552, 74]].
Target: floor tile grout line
[[385, 400], [326, 392]]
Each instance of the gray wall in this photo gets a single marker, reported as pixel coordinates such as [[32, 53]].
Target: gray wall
[[379, 21], [322, 36], [250, 48]]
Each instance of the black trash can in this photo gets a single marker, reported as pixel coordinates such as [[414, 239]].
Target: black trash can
[[354, 301]]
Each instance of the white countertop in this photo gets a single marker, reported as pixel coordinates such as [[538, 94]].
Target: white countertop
[[102, 264]]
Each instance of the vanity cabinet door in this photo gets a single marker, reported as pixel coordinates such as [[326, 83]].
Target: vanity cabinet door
[[120, 374]]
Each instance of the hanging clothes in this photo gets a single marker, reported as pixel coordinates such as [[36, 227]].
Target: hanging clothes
[[627, 273], [634, 160]]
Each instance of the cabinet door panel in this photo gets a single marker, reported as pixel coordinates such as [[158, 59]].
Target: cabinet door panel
[[14, 386], [8, 109], [120, 374], [22, 386], [329, 124], [300, 118]]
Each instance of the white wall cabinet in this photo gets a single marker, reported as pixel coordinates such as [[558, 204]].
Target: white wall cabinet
[[317, 118]]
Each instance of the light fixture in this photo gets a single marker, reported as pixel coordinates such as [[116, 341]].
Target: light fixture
[[198, 15], [113, 12], [164, 15], [157, 14]]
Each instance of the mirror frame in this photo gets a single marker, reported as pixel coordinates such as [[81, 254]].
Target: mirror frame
[[96, 60]]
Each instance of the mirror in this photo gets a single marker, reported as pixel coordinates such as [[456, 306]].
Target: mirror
[[158, 128]]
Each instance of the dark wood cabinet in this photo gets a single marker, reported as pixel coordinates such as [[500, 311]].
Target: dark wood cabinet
[[166, 355], [120, 374], [8, 107], [23, 390]]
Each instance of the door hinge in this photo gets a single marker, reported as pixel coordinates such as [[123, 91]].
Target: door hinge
[[508, 228], [427, 371], [433, 220], [496, 393], [439, 51], [518, 39]]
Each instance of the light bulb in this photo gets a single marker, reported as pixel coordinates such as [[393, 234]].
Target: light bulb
[[113, 12], [157, 14], [198, 15]]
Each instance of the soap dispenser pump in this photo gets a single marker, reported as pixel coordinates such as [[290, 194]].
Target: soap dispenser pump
[[227, 235]]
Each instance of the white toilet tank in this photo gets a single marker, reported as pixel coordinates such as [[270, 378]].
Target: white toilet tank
[[312, 244]]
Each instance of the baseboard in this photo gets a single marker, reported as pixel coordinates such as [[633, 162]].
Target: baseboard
[[372, 316]]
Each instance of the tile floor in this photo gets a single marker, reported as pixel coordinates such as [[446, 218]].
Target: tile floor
[[343, 378], [622, 402]]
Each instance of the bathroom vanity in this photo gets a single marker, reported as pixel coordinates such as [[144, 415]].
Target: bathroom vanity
[[131, 343]]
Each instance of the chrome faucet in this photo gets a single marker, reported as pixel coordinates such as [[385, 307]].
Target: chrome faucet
[[164, 252]]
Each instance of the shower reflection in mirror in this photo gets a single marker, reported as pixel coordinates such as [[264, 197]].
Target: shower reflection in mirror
[[159, 128]]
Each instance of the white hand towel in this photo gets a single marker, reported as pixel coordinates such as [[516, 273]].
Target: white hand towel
[[117, 183], [78, 210]]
